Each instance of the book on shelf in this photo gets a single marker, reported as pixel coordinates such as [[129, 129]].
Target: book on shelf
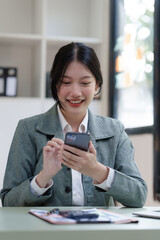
[[8, 81], [48, 86]]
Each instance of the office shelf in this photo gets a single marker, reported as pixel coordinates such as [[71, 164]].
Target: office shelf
[[32, 31]]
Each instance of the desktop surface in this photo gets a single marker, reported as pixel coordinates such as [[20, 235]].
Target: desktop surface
[[17, 223]]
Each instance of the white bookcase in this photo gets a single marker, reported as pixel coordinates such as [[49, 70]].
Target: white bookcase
[[31, 32]]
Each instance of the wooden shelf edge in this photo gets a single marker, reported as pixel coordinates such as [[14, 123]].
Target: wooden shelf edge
[[24, 38], [67, 39]]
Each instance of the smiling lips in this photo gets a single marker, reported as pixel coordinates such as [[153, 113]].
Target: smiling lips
[[75, 102]]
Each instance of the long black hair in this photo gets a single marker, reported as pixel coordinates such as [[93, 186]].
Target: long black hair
[[67, 54]]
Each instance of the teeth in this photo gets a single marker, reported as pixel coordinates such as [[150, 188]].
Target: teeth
[[76, 101]]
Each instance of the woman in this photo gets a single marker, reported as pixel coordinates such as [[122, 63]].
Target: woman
[[42, 170]]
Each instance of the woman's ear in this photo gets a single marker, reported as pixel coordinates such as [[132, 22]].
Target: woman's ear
[[97, 89]]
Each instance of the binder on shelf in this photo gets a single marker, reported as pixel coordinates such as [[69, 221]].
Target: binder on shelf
[[48, 86], [2, 81], [11, 82]]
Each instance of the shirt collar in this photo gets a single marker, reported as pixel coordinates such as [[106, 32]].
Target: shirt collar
[[66, 126]]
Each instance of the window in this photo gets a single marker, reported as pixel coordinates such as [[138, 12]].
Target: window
[[157, 101], [131, 64]]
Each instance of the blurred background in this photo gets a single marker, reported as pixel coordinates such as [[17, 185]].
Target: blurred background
[[122, 34]]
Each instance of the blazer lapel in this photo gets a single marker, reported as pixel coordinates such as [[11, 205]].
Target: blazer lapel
[[49, 123], [99, 128]]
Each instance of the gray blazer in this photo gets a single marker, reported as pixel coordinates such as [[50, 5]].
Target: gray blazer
[[113, 147]]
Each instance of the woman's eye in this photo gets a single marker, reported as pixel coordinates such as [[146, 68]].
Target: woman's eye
[[85, 83], [66, 83]]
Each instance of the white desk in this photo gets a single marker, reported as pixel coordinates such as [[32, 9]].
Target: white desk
[[17, 224]]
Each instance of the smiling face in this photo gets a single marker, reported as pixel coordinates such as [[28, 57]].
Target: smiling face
[[76, 90]]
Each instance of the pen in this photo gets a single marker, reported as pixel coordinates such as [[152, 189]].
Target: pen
[[54, 210], [78, 215], [82, 216]]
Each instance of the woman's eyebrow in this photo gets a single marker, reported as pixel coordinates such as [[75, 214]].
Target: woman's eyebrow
[[83, 77], [65, 76], [87, 76]]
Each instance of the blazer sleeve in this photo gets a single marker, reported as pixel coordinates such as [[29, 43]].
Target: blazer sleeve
[[20, 170], [128, 187]]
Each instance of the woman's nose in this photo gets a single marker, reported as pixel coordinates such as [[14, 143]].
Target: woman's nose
[[75, 90]]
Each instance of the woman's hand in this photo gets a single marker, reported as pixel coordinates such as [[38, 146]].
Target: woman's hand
[[83, 162], [51, 163]]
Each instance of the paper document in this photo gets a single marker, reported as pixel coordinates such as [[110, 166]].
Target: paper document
[[57, 216]]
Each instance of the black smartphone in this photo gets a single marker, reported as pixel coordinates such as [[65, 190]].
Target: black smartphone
[[78, 140]]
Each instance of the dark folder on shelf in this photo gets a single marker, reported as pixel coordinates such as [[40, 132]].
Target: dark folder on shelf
[[48, 86], [2, 81]]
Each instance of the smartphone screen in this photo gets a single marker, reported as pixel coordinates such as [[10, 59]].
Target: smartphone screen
[[78, 140]]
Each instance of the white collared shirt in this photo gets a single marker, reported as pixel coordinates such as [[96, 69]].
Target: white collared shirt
[[77, 187]]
